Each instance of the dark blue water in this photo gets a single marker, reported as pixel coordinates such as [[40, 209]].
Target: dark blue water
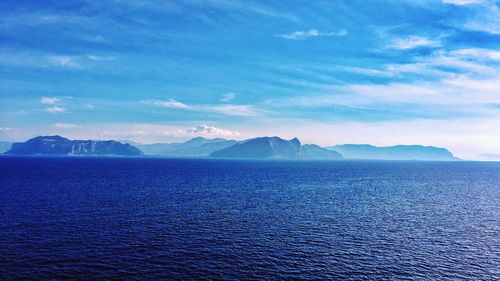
[[103, 218]]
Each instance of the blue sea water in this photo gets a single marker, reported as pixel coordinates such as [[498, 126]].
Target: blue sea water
[[188, 219]]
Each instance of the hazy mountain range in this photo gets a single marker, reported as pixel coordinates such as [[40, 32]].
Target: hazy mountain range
[[398, 152], [255, 148], [194, 147]]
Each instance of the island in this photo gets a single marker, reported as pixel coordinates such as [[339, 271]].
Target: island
[[57, 145], [276, 148], [397, 152]]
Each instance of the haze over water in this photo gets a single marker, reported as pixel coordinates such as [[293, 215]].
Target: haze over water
[[102, 218]]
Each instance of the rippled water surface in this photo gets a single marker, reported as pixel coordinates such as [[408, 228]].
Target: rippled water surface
[[103, 218]]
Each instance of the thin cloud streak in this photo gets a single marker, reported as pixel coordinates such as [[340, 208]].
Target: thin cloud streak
[[67, 126], [225, 109], [100, 58], [413, 42], [55, 109], [64, 61], [48, 100], [228, 97], [462, 2], [305, 34], [232, 110], [171, 103]]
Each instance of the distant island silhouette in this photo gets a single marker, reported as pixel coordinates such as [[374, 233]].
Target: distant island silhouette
[[254, 148], [57, 145]]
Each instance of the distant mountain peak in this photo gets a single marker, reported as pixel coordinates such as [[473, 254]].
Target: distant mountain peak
[[49, 138], [275, 148], [295, 141], [197, 139], [261, 147]]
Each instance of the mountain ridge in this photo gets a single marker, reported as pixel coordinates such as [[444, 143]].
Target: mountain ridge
[[198, 146], [255, 148], [396, 152], [57, 145], [275, 148]]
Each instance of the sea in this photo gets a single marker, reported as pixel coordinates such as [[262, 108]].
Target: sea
[[84, 218]]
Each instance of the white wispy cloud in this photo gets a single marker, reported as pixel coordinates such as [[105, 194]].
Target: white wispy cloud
[[490, 25], [478, 53], [225, 109], [205, 130], [43, 60], [55, 109], [67, 126], [461, 82], [100, 58], [484, 16], [413, 42], [171, 103], [64, 61], [480, 62], [49, 100], [88, 106], [462, 2], [228, 97], [304, 34], [471, 96], [232, 110]]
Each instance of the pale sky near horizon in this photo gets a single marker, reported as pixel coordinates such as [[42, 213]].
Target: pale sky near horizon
[[328, 72]]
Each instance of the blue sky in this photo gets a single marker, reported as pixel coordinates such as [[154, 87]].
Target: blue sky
[[328, 72]]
